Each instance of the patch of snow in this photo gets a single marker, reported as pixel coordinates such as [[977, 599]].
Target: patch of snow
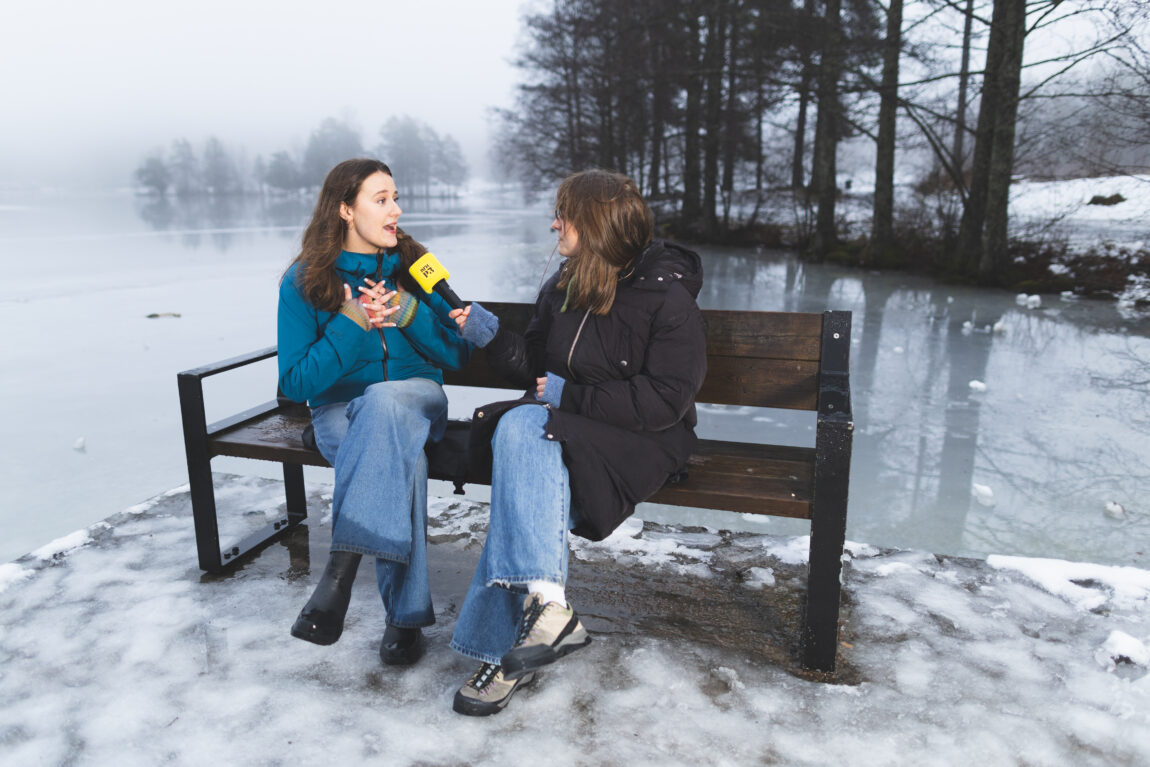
[[63, 545], [983, 494], [628, 544], [1127, 587], [759, 577], [791, 551], [977, 386], [859, 550], [12, 573], [1114, 510], [1137, 293], [1120, 647]]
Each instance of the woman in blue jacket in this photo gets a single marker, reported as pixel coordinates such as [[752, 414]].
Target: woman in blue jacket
[[364, 347]]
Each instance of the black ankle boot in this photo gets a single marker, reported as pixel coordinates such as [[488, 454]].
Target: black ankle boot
[[321, 620], [401, 646]]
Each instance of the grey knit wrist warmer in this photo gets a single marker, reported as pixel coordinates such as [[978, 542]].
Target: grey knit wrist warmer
[[481, 326]]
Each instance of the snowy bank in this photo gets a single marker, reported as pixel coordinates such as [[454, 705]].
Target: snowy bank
[[114, 648]]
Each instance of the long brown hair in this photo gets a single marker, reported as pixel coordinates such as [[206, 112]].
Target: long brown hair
[[613, 224], [325, 233]]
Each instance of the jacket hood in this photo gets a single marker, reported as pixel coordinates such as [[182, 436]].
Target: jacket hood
[[663, 263]]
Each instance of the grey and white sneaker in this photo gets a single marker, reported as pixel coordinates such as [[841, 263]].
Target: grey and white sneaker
[[487, 692], [547, 632]]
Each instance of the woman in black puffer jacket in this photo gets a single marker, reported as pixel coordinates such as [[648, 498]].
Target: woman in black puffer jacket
[[612, 359]]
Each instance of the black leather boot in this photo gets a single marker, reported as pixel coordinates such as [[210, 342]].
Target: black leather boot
[[321, 620], [401, 646]]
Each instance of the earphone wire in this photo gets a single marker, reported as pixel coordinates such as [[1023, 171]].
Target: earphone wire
[[546, 266]]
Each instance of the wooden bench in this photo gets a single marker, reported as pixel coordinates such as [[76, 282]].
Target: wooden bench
[[761, 359]]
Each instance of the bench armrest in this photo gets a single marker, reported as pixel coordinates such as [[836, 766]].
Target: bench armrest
[[230, 364], [191, 387]]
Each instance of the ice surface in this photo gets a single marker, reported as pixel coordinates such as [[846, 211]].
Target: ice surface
[[1060, 431], [119, 651]]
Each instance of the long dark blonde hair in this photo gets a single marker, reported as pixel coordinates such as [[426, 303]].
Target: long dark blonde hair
[[325, 233], [613, 225]]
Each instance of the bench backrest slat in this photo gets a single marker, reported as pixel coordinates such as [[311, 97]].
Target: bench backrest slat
[[761, 359]]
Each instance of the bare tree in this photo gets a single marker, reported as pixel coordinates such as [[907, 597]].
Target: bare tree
[[882, 229], [828, 125]]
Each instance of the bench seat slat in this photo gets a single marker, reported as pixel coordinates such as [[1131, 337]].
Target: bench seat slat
[[272, 437], [713, 457], [723, 475], [762, 496]]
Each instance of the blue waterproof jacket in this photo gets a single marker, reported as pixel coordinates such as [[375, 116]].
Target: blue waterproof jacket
[[326, 357]]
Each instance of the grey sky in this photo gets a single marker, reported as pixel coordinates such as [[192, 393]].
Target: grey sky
[[87, 89]]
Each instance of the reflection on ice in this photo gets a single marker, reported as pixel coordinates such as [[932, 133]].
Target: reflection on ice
[[1055, 431]]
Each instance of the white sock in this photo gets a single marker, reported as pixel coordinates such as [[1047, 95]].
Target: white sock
[[551, 592]]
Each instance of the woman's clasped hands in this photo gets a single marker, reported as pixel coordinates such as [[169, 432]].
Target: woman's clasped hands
[[377, 300]]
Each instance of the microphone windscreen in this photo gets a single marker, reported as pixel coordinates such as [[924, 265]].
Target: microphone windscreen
[[427, 271]]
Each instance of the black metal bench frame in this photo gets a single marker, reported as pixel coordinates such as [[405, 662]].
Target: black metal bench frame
[[764, 359]]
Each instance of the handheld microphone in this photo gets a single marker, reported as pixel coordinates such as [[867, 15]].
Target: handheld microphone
[[431, 275]]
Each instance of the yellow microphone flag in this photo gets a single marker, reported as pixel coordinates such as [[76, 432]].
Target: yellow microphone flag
[[427, 271]]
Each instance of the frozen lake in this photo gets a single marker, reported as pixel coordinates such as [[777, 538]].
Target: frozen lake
[[983, 426]]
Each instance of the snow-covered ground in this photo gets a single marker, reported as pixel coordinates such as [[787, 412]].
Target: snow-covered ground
[[114, 649], [1126, 220], [1070, 211], [1102, 214]]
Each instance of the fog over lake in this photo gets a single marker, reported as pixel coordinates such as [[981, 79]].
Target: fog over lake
[[90, 89], [983, 426]]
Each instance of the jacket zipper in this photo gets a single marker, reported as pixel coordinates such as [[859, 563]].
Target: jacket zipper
[[383, 343], [382, 339], [578, 333]]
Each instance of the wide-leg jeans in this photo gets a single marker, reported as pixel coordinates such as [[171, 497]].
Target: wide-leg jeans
[[527, 533], [379, 507]]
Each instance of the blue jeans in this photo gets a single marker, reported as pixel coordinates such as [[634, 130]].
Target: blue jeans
[[379, 508], [526, 537]]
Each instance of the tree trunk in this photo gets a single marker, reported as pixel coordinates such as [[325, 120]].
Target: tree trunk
[[692, 120], [995, 256], [797, 175], [999, 96], [823, 172], [659, 105], [731, 141], [882, 235], [713, 64], [963, 85]]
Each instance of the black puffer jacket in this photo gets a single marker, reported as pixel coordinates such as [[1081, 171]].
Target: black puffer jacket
[[627, 415]]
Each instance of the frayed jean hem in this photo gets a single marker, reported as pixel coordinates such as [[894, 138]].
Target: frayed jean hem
[[522, 580], [475, 655]]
